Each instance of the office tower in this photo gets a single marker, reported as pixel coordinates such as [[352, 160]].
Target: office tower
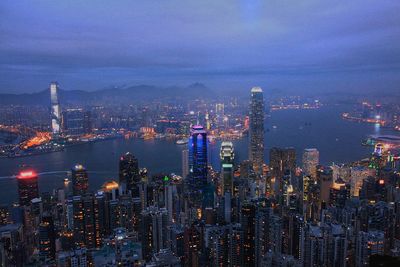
[[101, 212], [28, 187], [310, 162], [78, 221], [85, 230], [227, 156], [220, 114], [248, 223], [198, 163], [55, 109], [219, 109], [256, 129], [80, 180], [74, 122], [129, 173], [282, 163], [153, 230], [47, 238], [325, 181], [185, 163]]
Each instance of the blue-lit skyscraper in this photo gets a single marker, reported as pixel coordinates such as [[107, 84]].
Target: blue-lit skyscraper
[[198, 159], [256, 129]]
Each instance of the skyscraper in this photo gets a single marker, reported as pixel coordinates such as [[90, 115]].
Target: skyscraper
[[129, 173], [249, 233], [185, 163], [153, 230], [55, 109], [227, 155], [310, 162], [256, 128], [80, 180], [47, 238], [282, 167], [198, 158], [28, 187]]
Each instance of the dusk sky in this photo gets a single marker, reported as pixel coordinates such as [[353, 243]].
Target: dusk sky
[[302, 45]]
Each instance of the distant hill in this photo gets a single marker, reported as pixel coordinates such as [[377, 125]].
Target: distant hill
[[123, 95]]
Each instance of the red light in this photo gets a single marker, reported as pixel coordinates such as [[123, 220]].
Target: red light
[[381, 181], [26, 174]]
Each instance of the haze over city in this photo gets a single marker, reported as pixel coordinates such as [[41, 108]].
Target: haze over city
[[301, 46], [160, 133]]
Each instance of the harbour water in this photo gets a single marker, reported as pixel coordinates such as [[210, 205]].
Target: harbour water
[[337, 140]]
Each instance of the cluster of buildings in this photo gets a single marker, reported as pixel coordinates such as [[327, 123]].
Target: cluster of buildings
[[246, 214]]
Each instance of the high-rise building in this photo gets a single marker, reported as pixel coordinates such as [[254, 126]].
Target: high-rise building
[[310, 162], [85, 221], [80, 180], [198, 159], [282, 164], [28, 187], [248, 222], [129, 173], [47, 238], [185, 163], [256, 129], [76, 122], [227, 156], [153, 230], [55, 109]]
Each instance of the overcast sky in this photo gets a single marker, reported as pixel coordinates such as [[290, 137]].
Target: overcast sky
[[302, 45]]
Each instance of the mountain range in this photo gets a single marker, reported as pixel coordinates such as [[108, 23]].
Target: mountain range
[[123, 95]]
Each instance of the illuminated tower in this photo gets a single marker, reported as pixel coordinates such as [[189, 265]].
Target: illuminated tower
[[256, 128], [129, 173], [80, 180], [310, 162], [28, 187], [198, 157], [227, 155], [55, 109]]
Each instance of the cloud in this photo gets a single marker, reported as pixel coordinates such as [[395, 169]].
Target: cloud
[[157, 41]]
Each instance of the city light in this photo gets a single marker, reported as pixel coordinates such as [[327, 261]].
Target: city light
[[27, 174]]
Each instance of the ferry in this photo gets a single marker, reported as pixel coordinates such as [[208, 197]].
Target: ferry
[[182, 142]]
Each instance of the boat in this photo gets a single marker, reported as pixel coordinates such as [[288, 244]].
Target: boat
[[181, 141]]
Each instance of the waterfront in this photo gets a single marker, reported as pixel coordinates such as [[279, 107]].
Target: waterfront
[[337, 140]]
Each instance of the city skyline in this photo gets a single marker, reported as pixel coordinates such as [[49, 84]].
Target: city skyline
[[199, 133]]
